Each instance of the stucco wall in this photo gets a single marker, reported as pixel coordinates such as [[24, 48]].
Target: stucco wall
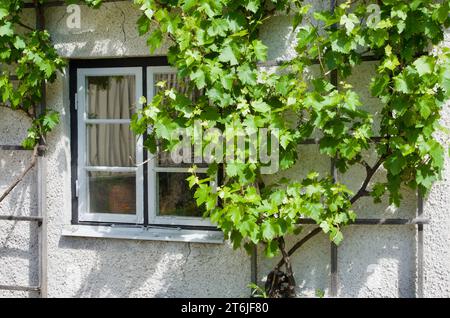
[[373, 260]]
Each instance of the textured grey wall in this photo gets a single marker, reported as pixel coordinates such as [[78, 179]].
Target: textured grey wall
[[373, 261]]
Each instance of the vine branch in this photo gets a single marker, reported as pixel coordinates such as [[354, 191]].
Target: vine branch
[[19, 109], [370, 172], [23, 25], [299, 244], [22, 175], [288, 263]]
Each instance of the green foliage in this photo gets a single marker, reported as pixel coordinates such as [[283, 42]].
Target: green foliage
[[409, 82], [257, 291], [40, 127], [320, 293], [28, 60], [215, 44]]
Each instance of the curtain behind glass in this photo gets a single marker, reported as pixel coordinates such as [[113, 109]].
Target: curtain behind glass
[[111, 98]]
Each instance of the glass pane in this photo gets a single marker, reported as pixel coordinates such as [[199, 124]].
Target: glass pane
[[111, 97], [112, 192], [111, 145], [174, 196]]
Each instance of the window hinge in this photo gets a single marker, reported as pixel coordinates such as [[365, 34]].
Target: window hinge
[[76, 101], [77, 188]]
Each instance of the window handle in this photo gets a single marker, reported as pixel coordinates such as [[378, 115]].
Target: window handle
[[77, 188]]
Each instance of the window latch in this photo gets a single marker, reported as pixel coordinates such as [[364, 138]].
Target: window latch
[[76, 101], [77, 188]]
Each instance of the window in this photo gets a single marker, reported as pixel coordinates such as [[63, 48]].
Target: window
[[110, 172], [116, 180]]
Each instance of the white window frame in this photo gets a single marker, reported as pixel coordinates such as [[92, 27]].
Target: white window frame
[[153, 169], [83, 168]]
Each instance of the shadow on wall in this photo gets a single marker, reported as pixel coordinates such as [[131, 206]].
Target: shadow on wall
[[19, 261], [377, 261], [111, 268], [373, 261], [119, 268]]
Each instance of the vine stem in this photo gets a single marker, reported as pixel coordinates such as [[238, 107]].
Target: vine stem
[[23, 25], [370, 172], [289, 271], [298, 245], [22, 175]]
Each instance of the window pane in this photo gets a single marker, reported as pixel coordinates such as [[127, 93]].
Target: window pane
[[111, 145], [111, 97], [112, 192], [174, 196]]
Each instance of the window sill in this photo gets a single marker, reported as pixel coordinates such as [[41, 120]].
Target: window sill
[[144, 234]]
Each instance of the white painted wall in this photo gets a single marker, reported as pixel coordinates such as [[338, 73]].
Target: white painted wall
[[375, 261]]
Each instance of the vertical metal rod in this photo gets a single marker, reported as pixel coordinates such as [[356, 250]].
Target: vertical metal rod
[[334, 268], [333, 248], [41, 184], [254, 266], [420, 251], [146, 167], [43, 251]]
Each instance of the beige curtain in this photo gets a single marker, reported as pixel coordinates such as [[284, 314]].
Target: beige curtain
[[111, 98]]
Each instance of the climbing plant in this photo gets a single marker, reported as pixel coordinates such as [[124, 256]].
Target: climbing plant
[[216, 45], [28, 61]]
